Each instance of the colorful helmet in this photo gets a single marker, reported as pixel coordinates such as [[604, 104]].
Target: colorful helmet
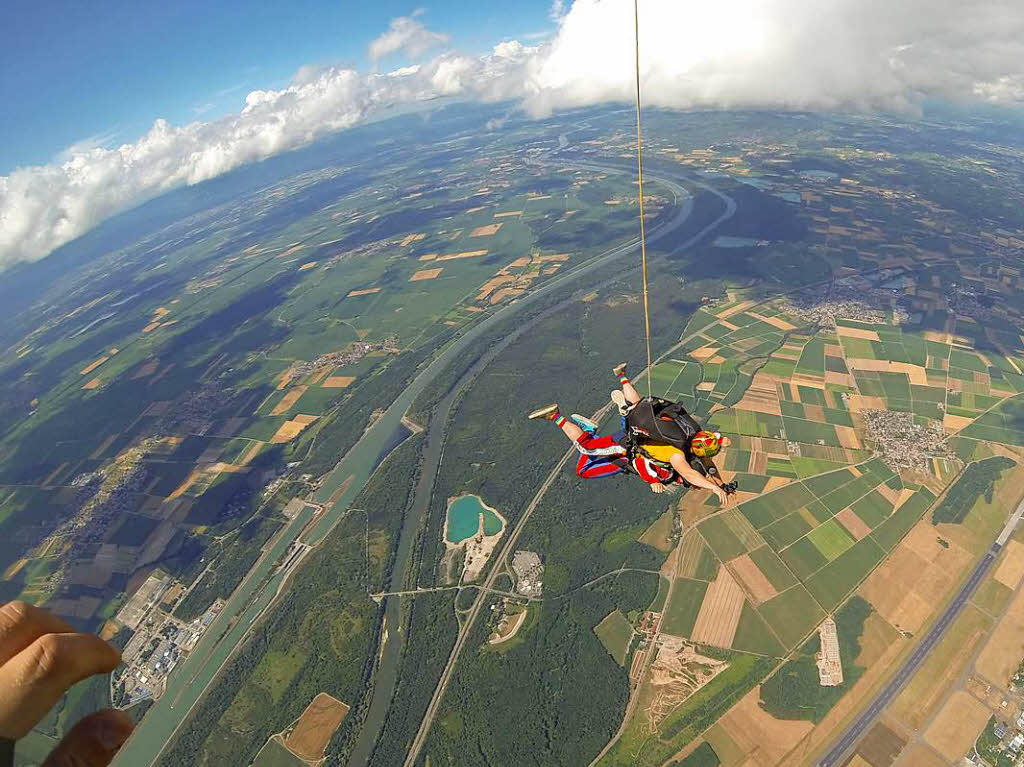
[[706, 444]]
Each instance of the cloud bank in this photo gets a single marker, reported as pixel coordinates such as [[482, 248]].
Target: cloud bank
[[780, 54]]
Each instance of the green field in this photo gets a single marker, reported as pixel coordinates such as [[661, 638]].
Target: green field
[[873, 509], [702, 756], [792, 614], [616, 634], [832, 583], [803, 558], [891, 532], [786, 530], [754, 636], [774, 569], [722, 540], [686, 601], [830, 539], [273, 754]]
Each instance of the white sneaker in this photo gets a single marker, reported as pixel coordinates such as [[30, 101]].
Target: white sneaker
[[545, 412], [620, 401]]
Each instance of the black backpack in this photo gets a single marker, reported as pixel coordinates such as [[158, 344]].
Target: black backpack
[[662, 422]]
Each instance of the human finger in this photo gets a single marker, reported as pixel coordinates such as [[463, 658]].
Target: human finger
[[93, 742], [36, 678], [21, 624]]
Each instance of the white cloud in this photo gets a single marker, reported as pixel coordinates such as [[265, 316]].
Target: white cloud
[[408, 35], [843, 54]]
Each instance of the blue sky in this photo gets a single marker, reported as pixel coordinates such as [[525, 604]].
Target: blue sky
[[73, 71]]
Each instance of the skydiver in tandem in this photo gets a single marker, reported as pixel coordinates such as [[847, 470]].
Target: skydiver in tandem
[[658, 441]]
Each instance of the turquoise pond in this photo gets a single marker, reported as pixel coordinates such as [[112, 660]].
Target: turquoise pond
[[464, 519]]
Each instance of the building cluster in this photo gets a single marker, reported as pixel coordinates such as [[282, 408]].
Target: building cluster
[[196, 411], [350, 355], [863, 299], [903, 443], [158, 644], [529, 570], [828, 659], [1011, 741]]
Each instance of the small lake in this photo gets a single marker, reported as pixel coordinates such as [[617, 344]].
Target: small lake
[[464, 518]]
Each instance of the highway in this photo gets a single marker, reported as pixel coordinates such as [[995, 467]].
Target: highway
[[926, 645]]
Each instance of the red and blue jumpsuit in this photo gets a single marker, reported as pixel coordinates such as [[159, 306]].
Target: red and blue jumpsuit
[[605, 457]]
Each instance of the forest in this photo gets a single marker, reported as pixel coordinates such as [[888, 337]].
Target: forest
[[978, 480]]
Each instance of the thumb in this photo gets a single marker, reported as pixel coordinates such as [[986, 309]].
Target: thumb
[[92, 742]]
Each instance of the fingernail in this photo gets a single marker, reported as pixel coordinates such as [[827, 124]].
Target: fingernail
[[114, 731]]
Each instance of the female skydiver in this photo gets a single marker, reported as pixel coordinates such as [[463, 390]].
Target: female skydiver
[[657, 464]]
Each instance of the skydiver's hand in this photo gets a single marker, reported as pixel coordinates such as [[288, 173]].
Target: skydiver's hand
[[41, 656], [723, 497], [657, 487]]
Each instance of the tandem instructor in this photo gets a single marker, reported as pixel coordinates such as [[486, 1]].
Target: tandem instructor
[[41, 656]]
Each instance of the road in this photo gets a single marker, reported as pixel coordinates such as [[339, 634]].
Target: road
[[923, 649], [446, 674]]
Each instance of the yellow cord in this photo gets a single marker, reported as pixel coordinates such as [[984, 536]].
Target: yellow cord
[[640, 188]]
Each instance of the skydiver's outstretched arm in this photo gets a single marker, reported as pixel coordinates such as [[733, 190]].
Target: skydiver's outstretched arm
[[695, 478]]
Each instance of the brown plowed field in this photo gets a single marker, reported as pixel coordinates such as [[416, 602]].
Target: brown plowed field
[[316, 727], [757, 585]]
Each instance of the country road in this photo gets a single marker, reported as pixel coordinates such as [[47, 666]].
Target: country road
[[506, 550], [923, 649]]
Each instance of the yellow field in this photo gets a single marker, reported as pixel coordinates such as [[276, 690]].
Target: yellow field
[[958, 725], [308, 265], [93, 384], [289, 400], [91, 367], [364, 292], [758, 586], [657, 535], [290, 430], [1011, 569], [509, 213], [464, 254], [426, 274], [411, 238], [338, 382], [486, 231], [719, 612], [1005, 648], [867, 335], [757, 733]]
